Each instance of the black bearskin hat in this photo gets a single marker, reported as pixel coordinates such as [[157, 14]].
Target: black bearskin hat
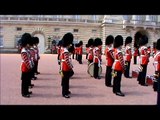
[[35, 40], [97, 42], [137, 38], [59, 43], [26, 39], [118, 41], [67, 39], [158, 44], [90, 42], [143, 40], [86, 45], [32, 41], [128, 40], [109, 40], [81, 42]]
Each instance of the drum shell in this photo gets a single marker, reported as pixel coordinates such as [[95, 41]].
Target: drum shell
[[91, 70]]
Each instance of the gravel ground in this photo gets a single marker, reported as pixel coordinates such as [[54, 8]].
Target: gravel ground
[[85, 90]]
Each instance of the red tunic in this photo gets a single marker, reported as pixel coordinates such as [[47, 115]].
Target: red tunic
[[118, 64], [65, 60], [135, 52], [90, 54], [26, 60], [80, 50], [128, 53], [97, 55], [109, 56], [157, 61], [144, 57]]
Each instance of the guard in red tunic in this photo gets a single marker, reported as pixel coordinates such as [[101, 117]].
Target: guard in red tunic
[[144, 59], [58, 51], [135, 54], [90, 51], [109, 60], [87, 50], [156, 64], [32, 55], [66, 65], [76, 50], [128, 56], [154, 49], [80, 52], [118, 65], [26, 65], [36, 42], [71, 51], [149, 50], [97, 57]]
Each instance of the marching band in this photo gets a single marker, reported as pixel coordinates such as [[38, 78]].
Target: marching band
[[117, 62]]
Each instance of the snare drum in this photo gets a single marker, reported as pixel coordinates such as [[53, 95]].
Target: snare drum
[[91, 70]]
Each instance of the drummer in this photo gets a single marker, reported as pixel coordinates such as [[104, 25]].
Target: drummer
[[109, 59], [97, 57], [90, 51], [128, 56], [118, 65]]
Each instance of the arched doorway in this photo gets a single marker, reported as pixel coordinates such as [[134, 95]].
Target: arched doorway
[[41, 44]]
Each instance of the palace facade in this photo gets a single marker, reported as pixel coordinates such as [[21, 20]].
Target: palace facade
[[83, 27]]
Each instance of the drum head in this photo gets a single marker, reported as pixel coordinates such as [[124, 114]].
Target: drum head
[[91, 70]]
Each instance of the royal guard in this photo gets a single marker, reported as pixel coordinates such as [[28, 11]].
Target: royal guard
[[87, 50], [90, 51], [144, 59], [149, 50], [128, 56], [71, 51], [26, 65], [118, 65], [135, 54], [58, 51], [76, 50], [156, 64], [36, 42], [154, 50], [97, 58], [109, 60], [80, 52], [66, 65], [32, 55]]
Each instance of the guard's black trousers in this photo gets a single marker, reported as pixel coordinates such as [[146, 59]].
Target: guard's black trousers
[[142, 75], [26, 78], [65, 82], [117, 82], [126, 72], [96, 70], [108, 76]]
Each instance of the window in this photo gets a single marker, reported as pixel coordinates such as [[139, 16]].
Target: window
[[56, 29], [75, 30], [1, 41], [94, 31], [18, 28], [94, 17]]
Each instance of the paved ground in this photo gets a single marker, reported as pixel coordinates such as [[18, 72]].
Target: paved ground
[[85, 90]]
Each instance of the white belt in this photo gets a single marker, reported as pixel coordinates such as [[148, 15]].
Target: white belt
[[62, 60]]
